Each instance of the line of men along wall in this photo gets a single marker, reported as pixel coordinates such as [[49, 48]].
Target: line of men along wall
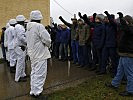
[[11, 8]]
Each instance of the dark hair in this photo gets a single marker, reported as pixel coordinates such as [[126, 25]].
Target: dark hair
[[38, 21]]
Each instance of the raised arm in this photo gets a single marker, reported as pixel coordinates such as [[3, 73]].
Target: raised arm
[[80, 15], [66, 23], [123, 23]]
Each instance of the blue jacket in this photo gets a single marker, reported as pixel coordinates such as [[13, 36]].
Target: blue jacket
[[58, 35], [110, 35], [98, 36], [65, 36]]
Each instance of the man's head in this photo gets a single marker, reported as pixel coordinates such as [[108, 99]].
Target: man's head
[[106, 20], [36, 16], [99, 18], [128, 19], [20, 19], [63, 27], [80, 21], [91, 18], [74, 21], [12, 22]]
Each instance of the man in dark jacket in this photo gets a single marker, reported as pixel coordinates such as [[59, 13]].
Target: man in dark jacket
[[110, 44], [74, 42], [125, 47], [2, 43]]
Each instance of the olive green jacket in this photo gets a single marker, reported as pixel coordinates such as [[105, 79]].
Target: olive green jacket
[[83, 34]]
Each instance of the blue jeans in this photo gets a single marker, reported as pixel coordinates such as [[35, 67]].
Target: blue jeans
[[75, 45], [125, 68], [64, 51]]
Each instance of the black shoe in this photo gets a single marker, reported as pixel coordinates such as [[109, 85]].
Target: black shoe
[[113, 75], [92, 69], [34, 96], [8, 64], [123, 82], [12, 70], [125, 93], [22, 79], [97, 71], [111, 86], [101, 73], [81, 66], [77, 64]]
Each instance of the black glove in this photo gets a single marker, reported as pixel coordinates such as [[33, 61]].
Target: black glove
[[106, 12], [94, 15], [60, 18], [85, 17], [79, 14], [120, 15]]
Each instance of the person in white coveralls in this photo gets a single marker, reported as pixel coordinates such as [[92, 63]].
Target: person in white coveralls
[[20, 49], [6, 44], [11, 38], [38, 44]]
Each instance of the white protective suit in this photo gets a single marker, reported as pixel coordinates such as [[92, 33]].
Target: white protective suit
[[38, 43], [20, 41], [10, 43], [6, 42]]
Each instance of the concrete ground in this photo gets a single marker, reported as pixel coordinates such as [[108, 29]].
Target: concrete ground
[[60, 75]]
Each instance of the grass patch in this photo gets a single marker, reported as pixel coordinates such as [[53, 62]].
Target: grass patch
[[93, 89]]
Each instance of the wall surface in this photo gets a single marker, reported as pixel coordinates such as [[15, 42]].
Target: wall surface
[[11, 8]]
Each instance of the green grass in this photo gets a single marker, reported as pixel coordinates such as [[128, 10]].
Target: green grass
[[92, 89]]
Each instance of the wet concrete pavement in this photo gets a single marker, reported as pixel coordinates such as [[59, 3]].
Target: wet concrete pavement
[[58, 73]]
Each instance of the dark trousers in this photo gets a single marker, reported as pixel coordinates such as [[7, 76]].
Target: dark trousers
[[99, 55], [3, 51], [89, 55], [83, 57], [94, 55], [57, 46], [109, 53]]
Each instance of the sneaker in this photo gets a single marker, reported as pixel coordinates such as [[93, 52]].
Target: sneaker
[[125, 93]]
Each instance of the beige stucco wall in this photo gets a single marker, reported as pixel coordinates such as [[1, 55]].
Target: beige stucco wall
[[11, 8]]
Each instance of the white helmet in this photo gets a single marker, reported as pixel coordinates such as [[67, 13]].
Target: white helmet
[[20, 18], [36, 15], [12, 21]]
